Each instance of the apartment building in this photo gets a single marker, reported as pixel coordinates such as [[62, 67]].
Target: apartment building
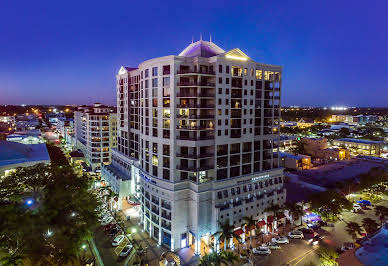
[[360, 146], [95, 130], [196, 139]]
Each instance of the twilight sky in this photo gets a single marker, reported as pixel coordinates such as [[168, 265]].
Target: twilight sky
[[68, 52]]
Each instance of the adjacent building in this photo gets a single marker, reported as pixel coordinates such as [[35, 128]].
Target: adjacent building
[[196, 142], [318, 148], [14, 155], [95, 130], [295, 162], [360, 146]]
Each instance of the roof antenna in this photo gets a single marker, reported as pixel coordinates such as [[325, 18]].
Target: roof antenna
[[192, 38], [201, 36], [210, 37]]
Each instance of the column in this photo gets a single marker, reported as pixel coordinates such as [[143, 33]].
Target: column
[[197, 246]]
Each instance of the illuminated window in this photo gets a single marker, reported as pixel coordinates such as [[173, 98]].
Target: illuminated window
[[259, 74], [154, 160], [166, 113]]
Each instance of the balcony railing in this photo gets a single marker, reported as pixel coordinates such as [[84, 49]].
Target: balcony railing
[[190, 71], [208, 116], [196, 84], [195, 106], [193, 127], [195, 138], [194, 156], [194, 169], [188, 95]]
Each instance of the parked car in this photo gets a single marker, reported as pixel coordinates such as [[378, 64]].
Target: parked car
[[261, 251], [109, 227], [280, 240], [114, 231], [118, 239], [126, 250], [296, 234], [307, 231], [271, 245], [315, 240], [356, 207]]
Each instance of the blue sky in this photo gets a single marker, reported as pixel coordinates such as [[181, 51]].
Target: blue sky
[[67, 52]]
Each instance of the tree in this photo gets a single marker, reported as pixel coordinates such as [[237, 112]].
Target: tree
[[295, 212], [381, 212], [46, 213], [327, 256], [276, 210], [228, 257], [329, 204], [370, 225], [353, 229], [249, 223], [226, 232]]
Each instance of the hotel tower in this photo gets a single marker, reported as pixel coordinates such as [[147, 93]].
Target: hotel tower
[[196, 143]]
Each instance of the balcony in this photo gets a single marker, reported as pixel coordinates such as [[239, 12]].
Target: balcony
[[238, 203], [194, 127], [222, 206], [194, 168], [193, 138], [207, 116], [195, 72], [195, 156], [208, 106], [166, 216], [195, 95], [196, 84], [166, 206]]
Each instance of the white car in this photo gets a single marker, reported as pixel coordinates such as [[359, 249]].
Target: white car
[[107, 221], [271, 245], [118, 239], [261, 251], [280, 240], [126, 250], [296, 234], [356, 207]]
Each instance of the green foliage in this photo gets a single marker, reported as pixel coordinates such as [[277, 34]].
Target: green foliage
[[62, 205], [370, 225], [327, 256], [353, 229], [381, 212], [329, 204], [295, 210], [217, 259], [56, 156], [226, 232]]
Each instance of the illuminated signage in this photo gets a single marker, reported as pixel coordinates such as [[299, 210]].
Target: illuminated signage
[[146, 178], [253, 179]]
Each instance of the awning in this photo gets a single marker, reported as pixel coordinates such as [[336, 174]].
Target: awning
[[250, 229], [239, 232], [261, 223], [270, 219]]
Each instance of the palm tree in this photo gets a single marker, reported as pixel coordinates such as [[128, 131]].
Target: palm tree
[[229, 257], [12, 259], [353, 229], [295, 212], [249, 223], [369, 225], [381, 212], [226, 232], [275, 210]]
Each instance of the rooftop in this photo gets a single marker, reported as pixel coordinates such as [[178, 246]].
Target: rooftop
[[363, 141], [17, 153], [202, 48]]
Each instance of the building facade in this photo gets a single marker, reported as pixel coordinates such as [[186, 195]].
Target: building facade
[[95, 130], [360, 146], [196, 137]]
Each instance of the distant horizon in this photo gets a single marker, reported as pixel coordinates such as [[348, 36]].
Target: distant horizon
[[55, 54]]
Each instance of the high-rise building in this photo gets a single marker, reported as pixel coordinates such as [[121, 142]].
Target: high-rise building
[[95, 130], [196, 139]]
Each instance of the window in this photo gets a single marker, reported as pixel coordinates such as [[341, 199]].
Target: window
[[227, 69], [220, 80], [166, 70], [219, 90], [227, 81], [155, 82], [154, 71], [146, 73], [146, 83], [227, 91], [245, 71], [166, 81], [220, 68]]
